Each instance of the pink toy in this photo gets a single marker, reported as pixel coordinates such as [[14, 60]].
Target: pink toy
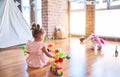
[[96, 41]]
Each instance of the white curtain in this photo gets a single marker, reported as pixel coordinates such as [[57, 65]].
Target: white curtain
[[13, 28]]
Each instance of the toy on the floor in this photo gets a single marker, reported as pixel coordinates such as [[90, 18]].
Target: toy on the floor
[[82, 39], [24, 49], [116, 52], [56, 38], [68, 57], [96, 41], [57, 70], [56, 67], [53, 37], [46, 39], [60, 32]]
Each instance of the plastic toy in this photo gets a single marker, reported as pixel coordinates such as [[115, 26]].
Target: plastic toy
[[57, 70], [51, 47], [53, 37], [56, 37], [116, 52], [24, 49], [60, 32], [82, 39], [68, 57], [56, 67], [96, 41], [46, 39]]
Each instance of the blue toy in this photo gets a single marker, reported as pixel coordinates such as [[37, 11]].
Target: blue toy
[[56, 37]]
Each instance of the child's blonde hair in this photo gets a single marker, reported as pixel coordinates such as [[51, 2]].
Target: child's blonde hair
[[36, 29]]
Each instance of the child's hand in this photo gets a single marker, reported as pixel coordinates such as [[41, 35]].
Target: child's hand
[[55, 56]]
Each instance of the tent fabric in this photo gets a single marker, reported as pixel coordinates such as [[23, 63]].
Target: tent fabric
[[14, 30]]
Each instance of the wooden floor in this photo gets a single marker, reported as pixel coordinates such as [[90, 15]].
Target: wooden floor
[[83, 63]]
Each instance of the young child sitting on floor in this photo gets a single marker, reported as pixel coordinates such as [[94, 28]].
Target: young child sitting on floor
[[38, 55]]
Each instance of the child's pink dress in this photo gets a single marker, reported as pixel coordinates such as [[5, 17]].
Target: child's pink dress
[[36, 57]]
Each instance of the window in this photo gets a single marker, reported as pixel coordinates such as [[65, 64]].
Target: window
[[38, 12], [114, 4], [101, 4], [77, 18], [26, 10], [107, 20], [77, 23]]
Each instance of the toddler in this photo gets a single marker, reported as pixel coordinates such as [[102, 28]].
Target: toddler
[[38, 55]]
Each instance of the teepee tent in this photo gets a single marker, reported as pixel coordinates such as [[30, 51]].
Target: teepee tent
[[13, 28]]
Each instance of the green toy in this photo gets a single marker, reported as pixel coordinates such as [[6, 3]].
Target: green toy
[[46, 39], [68, 57], [24, 49]]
